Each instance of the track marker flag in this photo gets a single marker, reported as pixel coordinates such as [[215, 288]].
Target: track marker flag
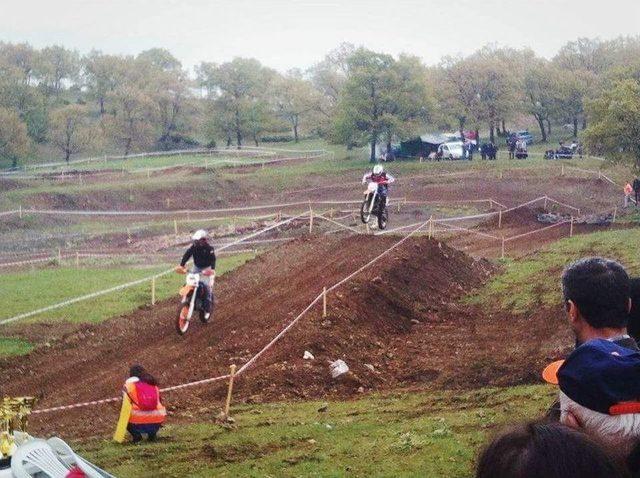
[[123, 420]]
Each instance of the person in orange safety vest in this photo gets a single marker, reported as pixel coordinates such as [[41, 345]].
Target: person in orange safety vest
[[628, 191], [147, 412]]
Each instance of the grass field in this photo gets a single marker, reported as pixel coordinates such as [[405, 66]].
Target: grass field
[[535, 279], [430, 434], [40, 288]]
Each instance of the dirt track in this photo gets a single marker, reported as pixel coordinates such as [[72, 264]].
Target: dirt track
[[400, 317]]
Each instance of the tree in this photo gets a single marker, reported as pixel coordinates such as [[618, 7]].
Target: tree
[[14, 140], [497, 86], [55, 66], [379, 98], [71, 130], [541, 92], [103, 74], [456, 92], [131, 124], [328, 78], [294, 99], [237, 87], [615, 123], [160, 58], [22, 57]]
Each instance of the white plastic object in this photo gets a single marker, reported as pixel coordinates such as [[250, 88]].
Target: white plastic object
[[372, 187], [34, 457], [308, 355], [337, 368]]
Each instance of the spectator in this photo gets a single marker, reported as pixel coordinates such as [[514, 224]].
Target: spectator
[[604, 368], [574, 145], [636, 189], [545, 450], [512, 147], [492, 151], [634, 314], [596, 296], [483, 151], [628, 190], [147, 412]]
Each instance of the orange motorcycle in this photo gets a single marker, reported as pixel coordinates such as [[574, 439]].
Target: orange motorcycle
[[193, 297]]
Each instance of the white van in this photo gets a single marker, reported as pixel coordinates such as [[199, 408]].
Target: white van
[[452, 150]]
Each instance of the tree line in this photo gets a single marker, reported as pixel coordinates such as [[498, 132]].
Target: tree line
[[56, 101]]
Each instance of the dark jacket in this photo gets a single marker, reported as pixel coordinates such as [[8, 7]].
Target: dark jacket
[[203, 256]]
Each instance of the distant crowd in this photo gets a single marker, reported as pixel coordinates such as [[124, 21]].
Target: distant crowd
[[593, 429]]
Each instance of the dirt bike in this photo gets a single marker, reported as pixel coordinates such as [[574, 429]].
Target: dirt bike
[[192, 298], [374, 204]]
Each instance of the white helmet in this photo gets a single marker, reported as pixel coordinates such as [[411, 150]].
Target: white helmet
[[377, 169], [199, 234]]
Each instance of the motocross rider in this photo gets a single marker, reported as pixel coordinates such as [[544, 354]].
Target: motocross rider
[[204, 259], [381, 178]]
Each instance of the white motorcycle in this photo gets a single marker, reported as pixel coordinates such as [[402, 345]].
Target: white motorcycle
[[375, 205], [192, 298]]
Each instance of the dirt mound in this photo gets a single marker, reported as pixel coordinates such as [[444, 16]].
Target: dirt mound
[[386, 324]]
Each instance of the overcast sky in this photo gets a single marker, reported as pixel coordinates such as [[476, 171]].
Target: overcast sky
[[287, 33]]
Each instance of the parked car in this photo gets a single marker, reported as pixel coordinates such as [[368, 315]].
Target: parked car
[[523, 135], [452, 150]]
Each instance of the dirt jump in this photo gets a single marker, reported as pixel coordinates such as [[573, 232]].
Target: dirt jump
[[388, 324]]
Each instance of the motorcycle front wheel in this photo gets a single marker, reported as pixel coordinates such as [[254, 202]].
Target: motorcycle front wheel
[[383, 217], [182, 318], [365, 215]]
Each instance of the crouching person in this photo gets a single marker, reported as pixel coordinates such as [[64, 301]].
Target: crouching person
[[147, 412]]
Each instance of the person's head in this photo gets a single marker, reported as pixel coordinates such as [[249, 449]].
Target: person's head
[[548, 450], [633, 324], [596, 296], [139, 371], [199, 237], [378, 169]]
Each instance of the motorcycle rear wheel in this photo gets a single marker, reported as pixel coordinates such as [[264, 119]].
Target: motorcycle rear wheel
[[383, 217], [203, 319], [182, 321]]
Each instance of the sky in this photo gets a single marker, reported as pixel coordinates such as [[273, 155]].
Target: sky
[[285, 34]]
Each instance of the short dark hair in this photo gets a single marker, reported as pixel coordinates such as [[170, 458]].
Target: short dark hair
[[600, 289], [548, 450], [633, 325]]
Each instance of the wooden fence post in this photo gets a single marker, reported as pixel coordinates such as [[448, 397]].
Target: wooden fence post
[[175, 227], [227, 404], [310, 221], [500, 218], [571, 227], [59, 256], [431, 227], [153, 291], [20, 212], [502, 249], [615, 213], [77, 260], [562, 171], [324, 302], [367, 228], [545, 203]]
